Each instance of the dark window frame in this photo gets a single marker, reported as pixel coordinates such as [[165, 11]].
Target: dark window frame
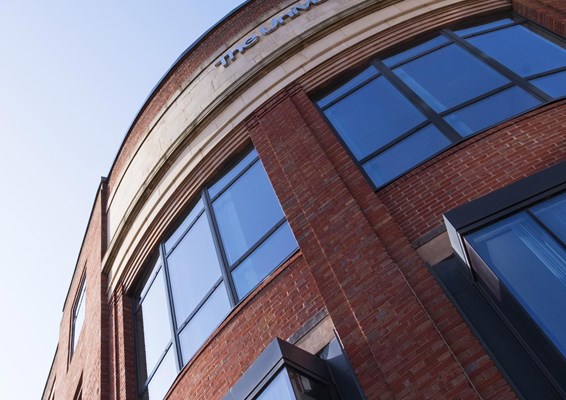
[[277, 356], [485, 211], [432, 117], [159, 262]]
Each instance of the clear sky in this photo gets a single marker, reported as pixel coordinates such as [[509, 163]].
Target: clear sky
[[73, 75]]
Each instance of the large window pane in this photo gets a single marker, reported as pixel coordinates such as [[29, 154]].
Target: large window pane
[[152, 325], [552, 213], [521, 50], [246, 211], [278, 389], [189, 219], [163, 378], [373, 116], [491, 110], [448, 77], [263, 260], [405, 155], [352, 83], [204, 322], [532, 266], [193, 268], [413, 51], [484, 27], [554, 85], [227, 178]]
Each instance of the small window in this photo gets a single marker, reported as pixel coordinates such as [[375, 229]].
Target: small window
[[285, 372], [526, 252], [78, 315], [289, 384], [233, 237], [406, 108], [513, 245]]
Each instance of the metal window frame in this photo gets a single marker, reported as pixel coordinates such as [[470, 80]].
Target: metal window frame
[[431, 116], [279, 355], [161, 262], [492, 208]]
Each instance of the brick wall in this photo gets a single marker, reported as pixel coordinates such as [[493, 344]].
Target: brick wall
[[486, 162], [401, 333], [549, 13]]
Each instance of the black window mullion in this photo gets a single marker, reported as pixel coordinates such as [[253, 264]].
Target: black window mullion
[[477, 99], [257, 244], [545, 73], [221, 253], [172, 315], [500, 68], [419, 103], [394, 142]]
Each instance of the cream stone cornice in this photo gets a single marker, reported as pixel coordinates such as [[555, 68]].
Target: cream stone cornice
[[202, 124]]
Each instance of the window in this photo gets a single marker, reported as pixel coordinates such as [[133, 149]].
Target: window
[[285, 372], [513, 244], [78, 315], [231, 239], [404, 109], [526, 253]]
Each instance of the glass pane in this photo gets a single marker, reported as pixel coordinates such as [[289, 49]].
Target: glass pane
[[532, 266], [246, 211], [278, 389], [491, 110], [153, 328], [421, 48], [448, 77], [554, 85], [210, 315], [484, 27], [373, 116], [552, 213], [193, 268], [521, 50], [364, 75], [163, 378], [405, 155], [308, 388], [79, 315], [264, 260], [174, 238], [221, 184]]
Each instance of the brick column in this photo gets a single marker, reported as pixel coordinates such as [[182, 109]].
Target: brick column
[[391, 341], [123, 368]]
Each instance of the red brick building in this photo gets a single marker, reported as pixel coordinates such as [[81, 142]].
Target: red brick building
[[378, 184]]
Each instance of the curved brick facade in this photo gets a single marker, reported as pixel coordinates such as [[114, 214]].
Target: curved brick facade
[[363, 269]]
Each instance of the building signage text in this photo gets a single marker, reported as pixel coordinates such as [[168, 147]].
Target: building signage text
[[251, 41]]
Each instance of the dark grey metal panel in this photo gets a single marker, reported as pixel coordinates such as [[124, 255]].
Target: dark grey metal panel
[[528, 380], [277, 354]]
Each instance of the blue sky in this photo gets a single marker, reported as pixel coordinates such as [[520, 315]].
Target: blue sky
[[73, 74]]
